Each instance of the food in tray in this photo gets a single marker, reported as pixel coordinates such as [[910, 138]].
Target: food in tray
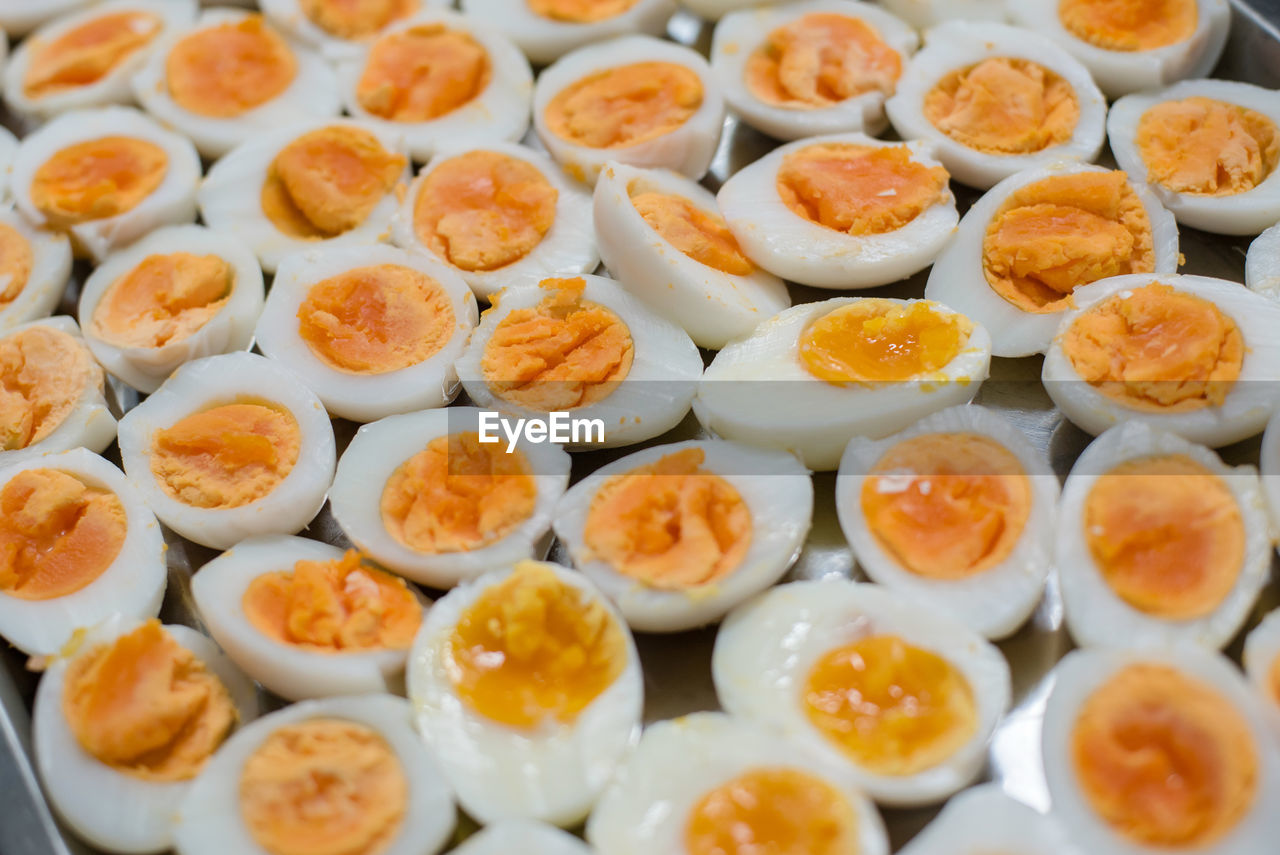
[[546, 30], [985, 819], [1262, 662], [519, 835], [338, 28], [35, 266]]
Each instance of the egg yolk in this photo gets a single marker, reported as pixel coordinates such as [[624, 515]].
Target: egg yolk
[[16, 261], [227, 456], [580, 11], [356, 19], [98, 178], [484, 209], [533, 649], [43, 374], [859, 190], [1165, 759], [324, 787], [458, 494], [563, 353], [820, 59], [1004, 106], [165, 299], [423, 73], [146, 706], [947, 505], [701, 235], [1156, 349], [626, 105], [778, 811], [892, 707], [85, 54], [229, 69], [1130, 25], [1204, 147], [881, 341]]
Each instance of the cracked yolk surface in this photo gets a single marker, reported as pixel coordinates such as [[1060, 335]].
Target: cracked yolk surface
[[881, 341], [423, 73], [16, 260], [1130, 25], [229, 69], [1164, 758], [98, 178], [580, 11], [85, 54], [43, 374], [1205, 147], [626, 105], [820, 59], [702, 236], [165, 299], [356, 19], [1004, 106]]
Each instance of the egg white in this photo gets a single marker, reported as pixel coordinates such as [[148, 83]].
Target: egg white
[[50, 271], [290, 19], [1269, 466], [8, 150], [20, 17], [1261, 651], [1262, 264], [926, 13], [523, 836], [984, 819], [545, 40], [713, 10]]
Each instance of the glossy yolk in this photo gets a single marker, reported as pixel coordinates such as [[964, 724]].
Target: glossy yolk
[[16, 261], [483, 210], [1051, 237], [96, 179], [43, 374], [146, 706], [859, 190], [229, 69], [563, 353], [891, 707], [324, 787], [85, 54], [580, 11], [880, 341], [1165, 759], [772, 811], [355, 19], [227, 456], [1004, 106], [701, 235], [947, 505], [1157, 349], [821, 59], [626, 105], [533, 649], [1204, 147], [423, 73], [165, 299], [1130, 25]]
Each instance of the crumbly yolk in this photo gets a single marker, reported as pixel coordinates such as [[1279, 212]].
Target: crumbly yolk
[[892, 707], [580, 11], [57, 534], [43, 374], [16, 261], [227, 456], [324, 787], [947, 505], [165, 299], [98, 178], [533, 649], [338, 605], [1204, 147], [859, 190], [423, 73], [229, 69], [701, 235], [1130, 25], [1165, 759], [563, 353], [356, 19], [772, 811], [626, 105], [146, 706], [1156, 349], [820, 59], [881, 341], [85, 54], [484, 209], [1004, 106]]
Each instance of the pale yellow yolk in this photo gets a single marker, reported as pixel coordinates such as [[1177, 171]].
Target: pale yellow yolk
[[324, 787], [563, 353], [165, 299], [44, 372], [891, 707], [227, 456], [625, 106], [85, 54], [880, 341], [484, 209], [1204, 147], [146, 706], [1157, 349], [702, 236], [229, 69], [96, 179], [859, 190], [1165, 759], [580, 11], [947, 505], [356, 19], [423, 73], [533, 649], [820, 59], [1004, 106], [1130, 25], [16, 261]]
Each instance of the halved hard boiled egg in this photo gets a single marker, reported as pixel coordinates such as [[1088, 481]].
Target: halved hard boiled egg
[[1262, 662], [924, 14], [983, 819], [1262, 263], [339, 28], [548, 29], [35, 266], [524, 836], [19, 17]]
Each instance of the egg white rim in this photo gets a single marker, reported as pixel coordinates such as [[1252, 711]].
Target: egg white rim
[[50, 268], [544, 40], [1262, 264], [287, 16], [984, 818], [1269, 468], [25, 17], [1261, 652], [525, 836]]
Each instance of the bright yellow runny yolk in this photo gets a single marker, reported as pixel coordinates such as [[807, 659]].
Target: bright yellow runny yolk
[[16, 261], [85, 54], [355, 19], [44, 372], [165, 299], [1004, 106], [701, 235], [484, 209], [229, 69], [892, 707], [533, 649], [1130, 25], [1051, 237], [324, 787], [1165, 759], [372, 320], [873, 340], [1157, 349], [772, 811], [423, 73], [820, 59], [626, 105], [98, 178], [563, 353], [580, 11], [146, 706], [1204, 147]]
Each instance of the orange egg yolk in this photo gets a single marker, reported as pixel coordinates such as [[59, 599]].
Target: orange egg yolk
[[165, 299], [1156, 349], [85, 54], [534, 649], [580, 11], [1004, 106], [1165, 759], [484, 210], [880, 341], [1204, 147], [423, 73], [324, 787], [1130, 25], [859, 190], [146, 706], [626, 105], [227, 456], [701, 235], [778, 811], [96, 179], [44, 372], [821, 59], [16, 261], [229, 69], [563, 353], [356, 19], [892, 707]]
